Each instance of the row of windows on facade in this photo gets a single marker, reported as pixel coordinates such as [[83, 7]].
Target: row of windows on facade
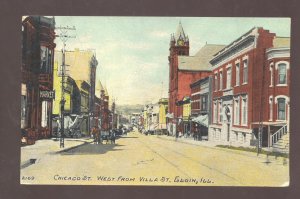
[[218, 111], [200, 104], [281, 80]]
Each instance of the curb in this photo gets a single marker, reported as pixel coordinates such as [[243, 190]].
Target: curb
[[185, 142], [73, 147]]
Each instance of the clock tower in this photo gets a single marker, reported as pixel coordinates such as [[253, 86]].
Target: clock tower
[[179, 46]]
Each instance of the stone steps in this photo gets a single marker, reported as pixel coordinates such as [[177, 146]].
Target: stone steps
[[283, 144]]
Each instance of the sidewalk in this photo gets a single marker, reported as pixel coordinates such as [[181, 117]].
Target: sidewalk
[[213, 145], [188, 140], [46, 147]]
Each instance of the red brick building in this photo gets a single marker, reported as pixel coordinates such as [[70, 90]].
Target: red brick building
[[183, 70], [242, 91], [37, 76], [200, 107]]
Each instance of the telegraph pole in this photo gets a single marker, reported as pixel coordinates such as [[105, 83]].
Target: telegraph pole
[[64, 37]]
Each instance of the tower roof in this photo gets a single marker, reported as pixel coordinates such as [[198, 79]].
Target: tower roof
[[180, 32]]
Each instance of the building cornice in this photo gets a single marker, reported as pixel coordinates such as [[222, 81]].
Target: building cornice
[[236, 46], [278, 53]]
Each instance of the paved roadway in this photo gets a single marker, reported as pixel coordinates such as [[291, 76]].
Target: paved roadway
[[137, 159]]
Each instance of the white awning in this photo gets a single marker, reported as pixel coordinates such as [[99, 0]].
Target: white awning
[[202, 120]]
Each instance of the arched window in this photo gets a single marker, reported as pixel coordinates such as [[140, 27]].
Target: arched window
[[271, 74], [282, 70], [271, 108], [281, 109]]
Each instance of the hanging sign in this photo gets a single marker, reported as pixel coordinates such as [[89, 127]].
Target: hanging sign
[[47, 95]]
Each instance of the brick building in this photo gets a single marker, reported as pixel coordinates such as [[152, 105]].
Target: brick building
[[241, 91], [102, 116], [183, 70], [37, 76], [201, 107]]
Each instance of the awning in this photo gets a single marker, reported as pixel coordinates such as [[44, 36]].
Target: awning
[[202, 120], [153, 127], [170, 115]]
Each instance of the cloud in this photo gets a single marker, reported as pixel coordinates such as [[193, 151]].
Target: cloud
[[160, 34]]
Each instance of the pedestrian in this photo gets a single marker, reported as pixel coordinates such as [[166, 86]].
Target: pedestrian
[[113, 137]]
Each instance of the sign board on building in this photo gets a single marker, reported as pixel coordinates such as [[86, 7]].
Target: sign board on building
[[47, 95]]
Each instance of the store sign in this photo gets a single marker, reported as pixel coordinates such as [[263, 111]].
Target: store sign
[[47, 95]]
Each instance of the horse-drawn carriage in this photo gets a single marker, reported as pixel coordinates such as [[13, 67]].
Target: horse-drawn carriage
[[100, 136]]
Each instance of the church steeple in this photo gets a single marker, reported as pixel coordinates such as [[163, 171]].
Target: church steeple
[[179, 31], [179, 43]]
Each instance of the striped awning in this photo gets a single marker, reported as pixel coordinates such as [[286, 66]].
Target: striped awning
[[201, 119]]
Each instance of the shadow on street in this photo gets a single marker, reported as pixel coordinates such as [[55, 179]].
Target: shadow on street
[[91, 148]]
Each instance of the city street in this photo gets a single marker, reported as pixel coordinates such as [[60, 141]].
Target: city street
[[137, 159]]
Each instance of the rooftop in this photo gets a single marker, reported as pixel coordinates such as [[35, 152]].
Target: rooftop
[[282, 42], [199, 62]]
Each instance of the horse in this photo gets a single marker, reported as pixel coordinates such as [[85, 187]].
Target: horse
[[96, 135]]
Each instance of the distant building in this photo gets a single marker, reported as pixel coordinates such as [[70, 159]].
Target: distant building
[[80, 66], [134, 118], [102, 114], [163, 110]]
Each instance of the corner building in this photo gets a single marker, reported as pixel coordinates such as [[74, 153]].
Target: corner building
[[36, 71], [241, 90]]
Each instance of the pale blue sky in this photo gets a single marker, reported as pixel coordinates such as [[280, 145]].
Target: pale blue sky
[[133, 51]]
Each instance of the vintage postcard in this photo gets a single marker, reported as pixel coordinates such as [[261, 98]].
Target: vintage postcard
[[155, 101]]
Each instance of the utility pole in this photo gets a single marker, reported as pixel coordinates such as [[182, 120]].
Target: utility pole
[[64, 37]]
